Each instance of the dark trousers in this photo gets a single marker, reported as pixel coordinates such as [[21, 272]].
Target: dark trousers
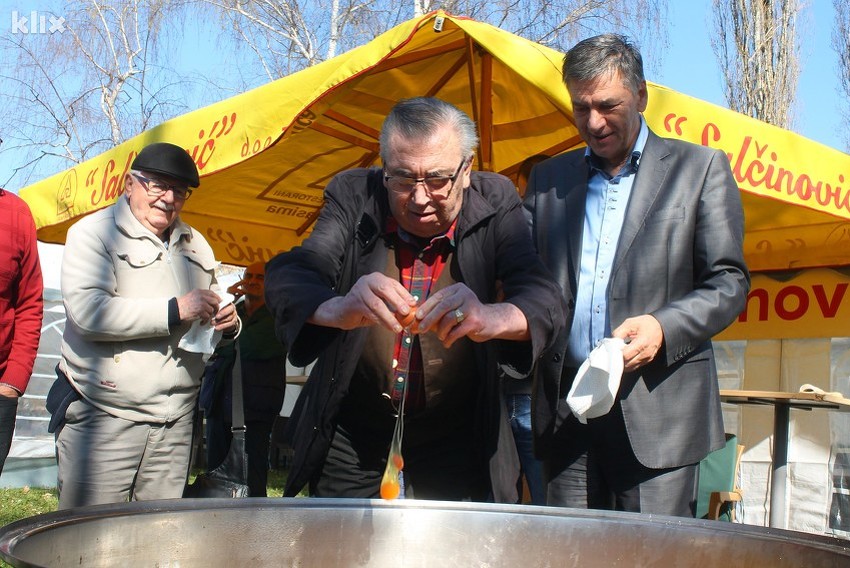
[[8, 411], [608, 476], [446, 469], [257, 436]]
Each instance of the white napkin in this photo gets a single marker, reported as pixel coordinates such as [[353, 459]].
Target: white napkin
[[807, 388], [597, 381], [203, 338]]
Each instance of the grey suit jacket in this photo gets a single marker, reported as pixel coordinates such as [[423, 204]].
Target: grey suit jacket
[[680, 259]]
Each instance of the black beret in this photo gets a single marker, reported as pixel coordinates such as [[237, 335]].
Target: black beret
[[168, 159]]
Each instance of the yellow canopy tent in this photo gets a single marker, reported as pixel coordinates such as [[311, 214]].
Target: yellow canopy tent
[[265, 155]]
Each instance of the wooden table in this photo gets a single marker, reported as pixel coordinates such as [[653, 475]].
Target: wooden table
[[782, 403]]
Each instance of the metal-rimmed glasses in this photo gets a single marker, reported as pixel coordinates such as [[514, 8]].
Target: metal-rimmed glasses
[[435, 186], [157, 187]]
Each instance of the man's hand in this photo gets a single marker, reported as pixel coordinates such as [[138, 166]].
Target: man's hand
[[456, 311], [237, 290], [198, 304], [8, 392], [373, 300], [643, 336], [226, 320]]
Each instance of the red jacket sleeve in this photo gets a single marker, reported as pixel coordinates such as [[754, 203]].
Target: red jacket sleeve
[[25, 303]]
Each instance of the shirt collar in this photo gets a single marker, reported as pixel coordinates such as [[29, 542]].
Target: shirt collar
[[394, 228]]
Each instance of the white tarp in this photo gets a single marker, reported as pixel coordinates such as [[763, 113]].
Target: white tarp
[[818, 489]]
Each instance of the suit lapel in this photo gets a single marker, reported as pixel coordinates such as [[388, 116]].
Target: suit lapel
[[648, 181], [575, 205]]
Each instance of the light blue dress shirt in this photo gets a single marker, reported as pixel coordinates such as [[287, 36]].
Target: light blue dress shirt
[[605, 210]]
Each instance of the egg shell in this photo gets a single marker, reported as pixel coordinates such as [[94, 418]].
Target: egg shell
[[406, 320]]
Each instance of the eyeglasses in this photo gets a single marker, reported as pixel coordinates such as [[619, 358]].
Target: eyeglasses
[[435, 186], [157, 187]]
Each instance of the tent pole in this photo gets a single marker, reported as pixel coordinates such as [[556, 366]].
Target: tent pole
[[473, 99], [485, 121]]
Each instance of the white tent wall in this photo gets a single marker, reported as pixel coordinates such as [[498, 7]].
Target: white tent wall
[[31, 460], [839, 427], [818, 490]]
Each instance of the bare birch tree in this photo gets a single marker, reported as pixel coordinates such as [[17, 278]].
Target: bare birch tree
[[757, 49], [841, 44], [84, 88], [288, 35]]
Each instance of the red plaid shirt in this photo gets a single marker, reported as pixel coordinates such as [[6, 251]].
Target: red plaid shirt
[[420, 263]]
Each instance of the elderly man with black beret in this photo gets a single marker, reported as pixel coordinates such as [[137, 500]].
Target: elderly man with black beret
[[137, 283]]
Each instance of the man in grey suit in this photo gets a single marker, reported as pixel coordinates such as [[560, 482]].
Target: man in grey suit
[[645, 236]]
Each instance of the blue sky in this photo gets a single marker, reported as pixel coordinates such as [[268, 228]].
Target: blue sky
[[688, 66]]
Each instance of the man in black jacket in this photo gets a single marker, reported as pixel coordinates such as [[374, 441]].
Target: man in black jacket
[[423, 234]]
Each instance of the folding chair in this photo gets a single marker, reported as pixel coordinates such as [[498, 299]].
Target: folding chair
[[718, 482]]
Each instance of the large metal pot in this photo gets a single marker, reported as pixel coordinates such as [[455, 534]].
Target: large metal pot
[[335, 532]]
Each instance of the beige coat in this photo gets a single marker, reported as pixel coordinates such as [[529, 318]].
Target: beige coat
[[117, 349]]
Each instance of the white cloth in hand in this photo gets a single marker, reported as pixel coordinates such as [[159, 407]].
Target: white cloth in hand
[[597, 381], [203, 338]]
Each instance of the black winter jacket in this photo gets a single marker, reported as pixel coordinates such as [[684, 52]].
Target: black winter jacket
[[493, 243]]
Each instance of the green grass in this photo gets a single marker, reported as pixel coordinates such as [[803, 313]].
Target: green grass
[[25, 502], [274, 485], [19, 503], [277, 479]]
